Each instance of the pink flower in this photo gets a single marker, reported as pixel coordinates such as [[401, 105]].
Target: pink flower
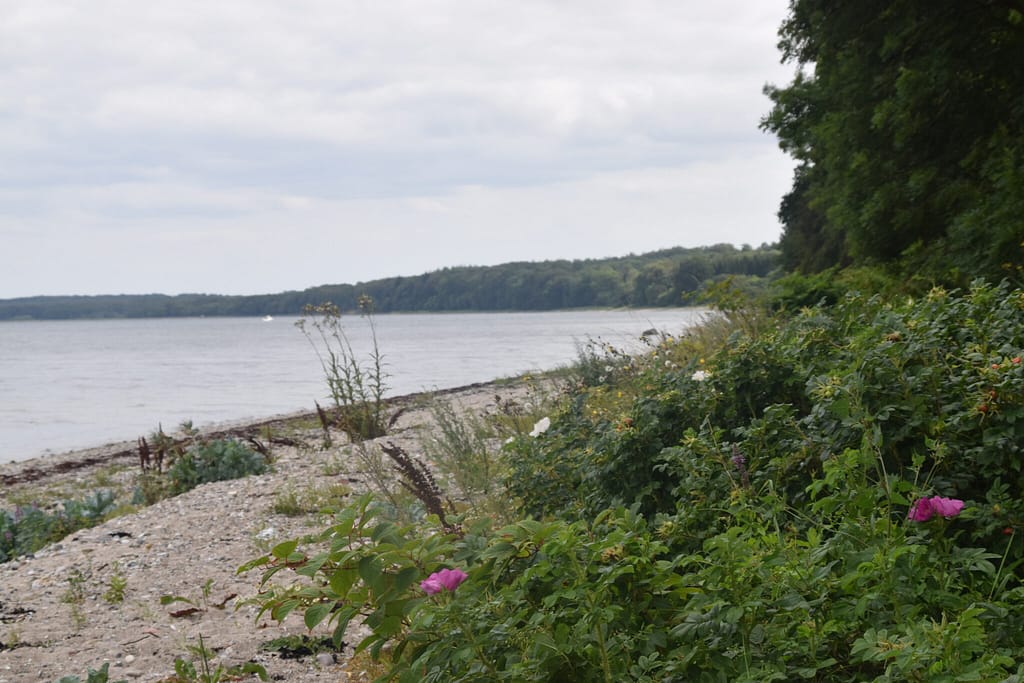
[[921, 510], [925, 508], [446, 579], [947, 507]]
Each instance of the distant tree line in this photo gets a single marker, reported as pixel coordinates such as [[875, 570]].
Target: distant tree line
[[670, 277]]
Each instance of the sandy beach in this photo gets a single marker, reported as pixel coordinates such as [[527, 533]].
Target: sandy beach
[[57, 617]]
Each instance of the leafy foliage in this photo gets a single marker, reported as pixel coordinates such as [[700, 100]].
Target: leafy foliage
[[29, 528], [739, 514], [216, 460], [906, 120], [670, 277]]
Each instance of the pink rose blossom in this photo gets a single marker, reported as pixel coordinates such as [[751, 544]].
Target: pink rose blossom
[[947, 507], [921, 510], [446, 579], [925, 508]]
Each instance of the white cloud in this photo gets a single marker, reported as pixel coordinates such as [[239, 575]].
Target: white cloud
[[449, 132]]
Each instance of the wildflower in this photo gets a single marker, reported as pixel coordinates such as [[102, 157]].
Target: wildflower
[[541, 426], [921, 510], [1015, 360], [699, 376], [925, 508], [947, 507], [446, 579]]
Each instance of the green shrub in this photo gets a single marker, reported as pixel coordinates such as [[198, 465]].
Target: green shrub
[[213, 461], [29, 528], [745, 518]]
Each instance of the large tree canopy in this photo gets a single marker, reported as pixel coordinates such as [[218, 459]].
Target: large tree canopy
[[907, 118]]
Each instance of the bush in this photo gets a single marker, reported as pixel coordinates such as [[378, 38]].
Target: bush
[[753, 517], [213, 461], [29, 528]]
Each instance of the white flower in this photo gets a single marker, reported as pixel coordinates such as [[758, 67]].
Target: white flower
[[541, 426], [510, 439], [699, 376]]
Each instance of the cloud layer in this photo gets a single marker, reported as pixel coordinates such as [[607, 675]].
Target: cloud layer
[[243, 147]]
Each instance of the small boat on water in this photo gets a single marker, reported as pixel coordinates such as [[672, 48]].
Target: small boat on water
[[268, 318]]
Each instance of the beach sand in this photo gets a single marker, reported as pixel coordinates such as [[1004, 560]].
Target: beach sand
[[55, 619]]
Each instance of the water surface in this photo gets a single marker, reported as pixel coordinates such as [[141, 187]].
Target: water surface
[[82, 383]]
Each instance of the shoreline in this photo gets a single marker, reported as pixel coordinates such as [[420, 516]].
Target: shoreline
[[43, 466], [57, 613]]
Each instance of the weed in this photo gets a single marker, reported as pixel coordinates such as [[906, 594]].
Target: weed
[[294, 647], [314, 499], [75, 596], [185, 671], [464, 449], [416, 478], [30, 528], [114, 594], [94, 676], [356, 387], [196, 605]]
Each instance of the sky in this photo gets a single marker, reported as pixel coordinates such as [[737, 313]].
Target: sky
[[258, 146]]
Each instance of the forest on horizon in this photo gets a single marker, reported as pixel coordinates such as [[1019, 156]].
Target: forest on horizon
[[668, 277]]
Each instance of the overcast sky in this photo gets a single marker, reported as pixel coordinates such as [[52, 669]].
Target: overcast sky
[[251, 146]]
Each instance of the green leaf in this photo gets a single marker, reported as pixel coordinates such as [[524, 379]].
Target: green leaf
[[341, 581], [317, 613], [282, 550]]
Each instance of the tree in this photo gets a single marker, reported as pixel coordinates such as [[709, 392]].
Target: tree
[[906, 116]]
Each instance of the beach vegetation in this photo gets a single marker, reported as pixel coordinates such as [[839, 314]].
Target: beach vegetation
[[314, 499], [200, 669], [116, 586], [464, 448], [75, 595], [196, 605], [101, 675], [356, 385], [29, 528], [216, 460], [831, 495]]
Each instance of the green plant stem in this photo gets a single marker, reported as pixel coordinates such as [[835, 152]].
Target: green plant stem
[[476, 645], [1002, 563]]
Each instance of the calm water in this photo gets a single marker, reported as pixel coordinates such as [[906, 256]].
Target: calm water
[[75, 384]]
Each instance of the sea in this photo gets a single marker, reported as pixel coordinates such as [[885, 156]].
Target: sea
[[73, 384]]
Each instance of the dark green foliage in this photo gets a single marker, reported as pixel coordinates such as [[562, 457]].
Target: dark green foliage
[[907, 121], [29, 528], [670, 277], [213, 461], [934, 378], [298, 646], [738, 517]]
